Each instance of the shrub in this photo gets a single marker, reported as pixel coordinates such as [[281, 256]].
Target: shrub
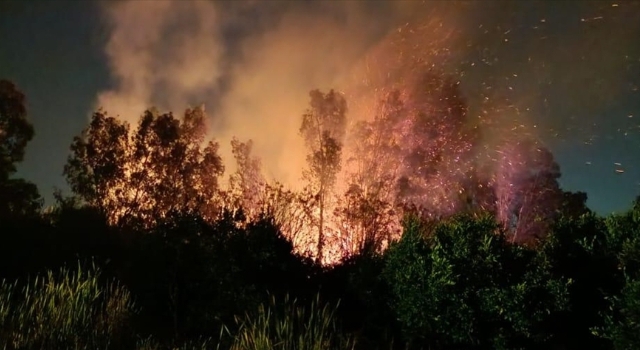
[[464, 285], [622, 320], [621, 324], [582, 249], [357, 283]]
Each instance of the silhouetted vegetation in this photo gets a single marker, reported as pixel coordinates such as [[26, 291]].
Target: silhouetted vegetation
[[150, 252]]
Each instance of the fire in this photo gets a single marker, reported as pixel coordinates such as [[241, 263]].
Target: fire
[[410, 141]]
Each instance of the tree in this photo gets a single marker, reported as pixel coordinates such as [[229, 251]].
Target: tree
[[416, 152], [247, 182], [323, 129], [527, 190], [17, 196], [581, 249], [621, 322], [368, 209], [173, 168], [462, 285], [140, 177], [15, 129], [419, 145], [624, 330], [574, 204], [96, 169]]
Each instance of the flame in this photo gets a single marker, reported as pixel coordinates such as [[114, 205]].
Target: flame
[[391, 66]]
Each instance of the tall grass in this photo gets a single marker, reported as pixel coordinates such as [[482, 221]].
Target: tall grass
[[288, 325], [149, 343], [74, 310], [66, 310]]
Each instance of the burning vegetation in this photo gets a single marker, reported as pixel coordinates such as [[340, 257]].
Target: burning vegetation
[[385, 187], [418, 152]]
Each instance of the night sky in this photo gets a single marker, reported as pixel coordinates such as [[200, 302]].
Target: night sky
[[578, 66]]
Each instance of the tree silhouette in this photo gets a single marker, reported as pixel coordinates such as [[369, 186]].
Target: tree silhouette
[[527, 190], [415, 153], [323, 129], [15, 129], [17, 196], [459, 285], [141, 177], [96, 170], [247, 183], [436, 144], [372, 175]]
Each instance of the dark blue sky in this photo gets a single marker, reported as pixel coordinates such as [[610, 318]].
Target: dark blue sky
[[53, 51]]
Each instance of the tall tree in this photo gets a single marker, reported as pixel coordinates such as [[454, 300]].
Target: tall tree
[[418, 148], [373, 168], [17, 196], [574, 204], [323, 129], [527, 190], [15, 129], [437, 144], [172, 166], [141, 177], [246, 183], [96, 169]]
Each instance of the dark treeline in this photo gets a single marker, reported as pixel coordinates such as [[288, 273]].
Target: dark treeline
[[150, 251]]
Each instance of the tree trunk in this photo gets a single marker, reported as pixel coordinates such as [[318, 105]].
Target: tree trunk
[[321, 228]]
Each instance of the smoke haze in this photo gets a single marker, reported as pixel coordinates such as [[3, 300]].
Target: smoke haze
[[253, 63]]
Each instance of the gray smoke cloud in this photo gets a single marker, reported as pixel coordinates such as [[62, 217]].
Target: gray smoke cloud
[[160, 53]]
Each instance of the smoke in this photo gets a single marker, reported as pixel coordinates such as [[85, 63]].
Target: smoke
[[253, 63], [160, 53]]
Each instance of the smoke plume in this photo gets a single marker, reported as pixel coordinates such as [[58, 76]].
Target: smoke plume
[[253, 63]]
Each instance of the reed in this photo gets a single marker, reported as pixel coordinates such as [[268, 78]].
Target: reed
[[70, 309], [287, 325]]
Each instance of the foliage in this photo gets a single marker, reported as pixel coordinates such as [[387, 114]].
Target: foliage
[[323, 129], [191, 275], [246, 183], [139, 177], [148, 210], [464, 285], [367, 222], [18, 197], [15, 129], [70, 309], [621, 320], [289, 211], [621, 325], [357, 283], [528, 195], [581, 249]]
